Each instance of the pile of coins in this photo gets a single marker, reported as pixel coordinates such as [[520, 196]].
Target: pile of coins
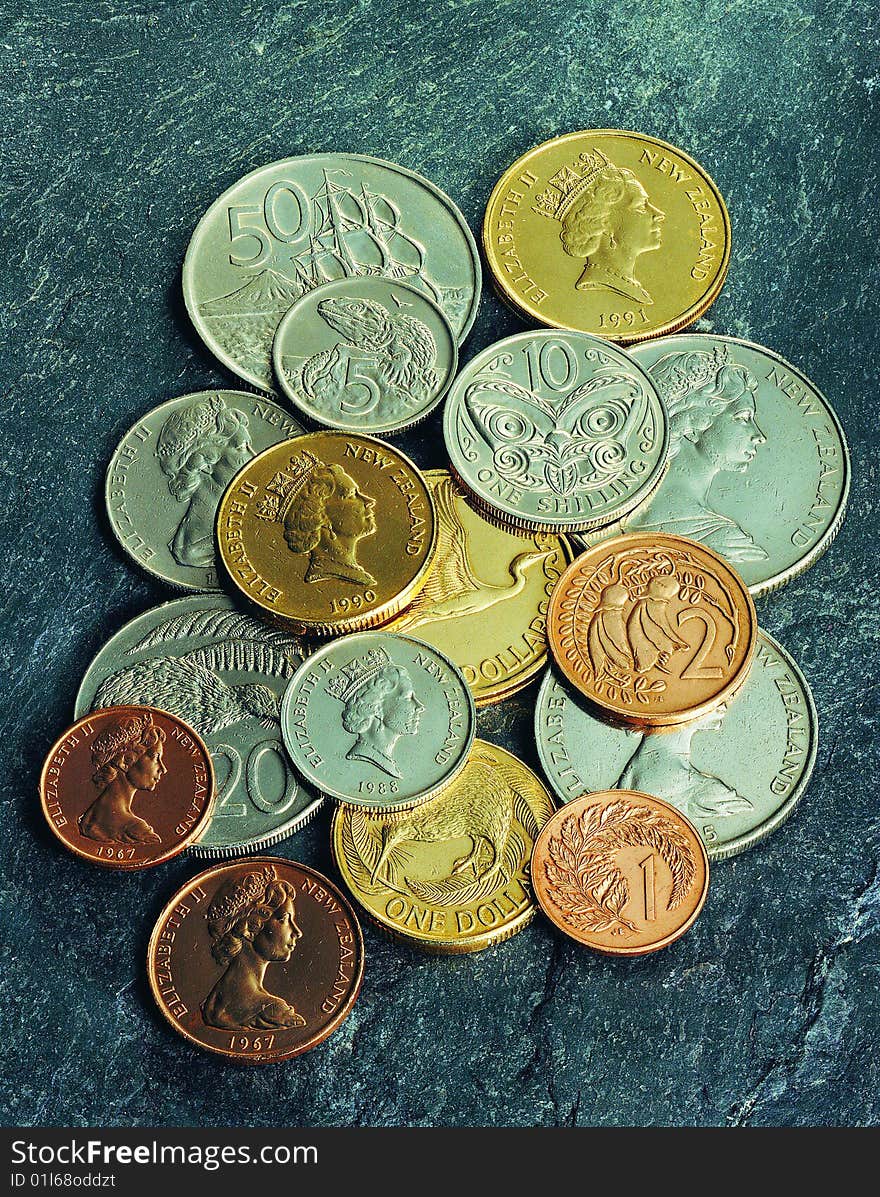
[[347, 615]]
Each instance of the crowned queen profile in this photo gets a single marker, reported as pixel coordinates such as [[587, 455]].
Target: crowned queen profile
[[606, 219], [379, 706], [252, 924], [323, 514]]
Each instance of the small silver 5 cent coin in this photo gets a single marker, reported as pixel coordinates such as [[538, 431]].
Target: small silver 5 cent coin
[[554, 431], [759, 468], [292, 226], [170, 470], [224, 672], [365, 355], [737, 774], [378, 720]]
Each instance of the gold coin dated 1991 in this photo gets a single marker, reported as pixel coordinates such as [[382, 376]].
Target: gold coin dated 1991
[[328, 532], [608, 232]]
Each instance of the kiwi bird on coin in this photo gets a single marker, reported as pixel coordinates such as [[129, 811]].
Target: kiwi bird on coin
[[185, 687], [483, 806]]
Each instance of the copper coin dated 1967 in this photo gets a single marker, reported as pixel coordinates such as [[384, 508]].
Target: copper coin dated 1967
[[258, 960], [621, 872], [128, 787], [654, 630]]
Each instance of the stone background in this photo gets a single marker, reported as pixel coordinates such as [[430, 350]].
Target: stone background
[[121, 123]]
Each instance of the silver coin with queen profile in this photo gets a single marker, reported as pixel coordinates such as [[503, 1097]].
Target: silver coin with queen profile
[[168, 474], [378, 720], [758, 469], [737, 773]]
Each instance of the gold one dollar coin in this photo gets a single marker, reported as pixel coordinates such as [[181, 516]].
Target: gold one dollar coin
[[453, 875], [327, 532], [608, 232], [485, 601]]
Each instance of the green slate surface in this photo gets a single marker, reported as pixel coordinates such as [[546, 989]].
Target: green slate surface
[[121, 123]]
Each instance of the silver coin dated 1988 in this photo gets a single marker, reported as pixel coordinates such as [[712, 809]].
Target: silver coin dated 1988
[[378, 720], [555, 431], [170, 470], [737, 774], [292, 226], [759, 468], [224, 672]]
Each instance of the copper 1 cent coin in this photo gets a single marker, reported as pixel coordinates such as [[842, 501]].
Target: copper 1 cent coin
[[654, 630], [258, 960], [128, 787], [621, 872]]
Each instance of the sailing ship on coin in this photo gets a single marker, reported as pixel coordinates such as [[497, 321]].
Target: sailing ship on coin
[[349, 233]]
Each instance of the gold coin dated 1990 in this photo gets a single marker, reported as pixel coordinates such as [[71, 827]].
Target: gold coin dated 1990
[[452, 875], [328, 532], [608, 232]]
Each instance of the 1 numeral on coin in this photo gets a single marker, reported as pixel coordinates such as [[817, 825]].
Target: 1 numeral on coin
[[647, 867]]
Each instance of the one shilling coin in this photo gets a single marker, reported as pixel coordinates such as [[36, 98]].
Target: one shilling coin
[[556, 431], [485, 601], [258, 960], [224, 672], [608, 232], [653, 630], [168, 472], [621, 872], [452, 875], [331, 532], [292, 226], [365, 355], [378, 720], [737, 774], [127, 787]]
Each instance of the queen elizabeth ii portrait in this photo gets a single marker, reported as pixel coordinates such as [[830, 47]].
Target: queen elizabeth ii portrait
[[710, 401], [252, 924], [324, 515], [607, 220], [127, 758], [662, 765], [200, 449], [379, 706]]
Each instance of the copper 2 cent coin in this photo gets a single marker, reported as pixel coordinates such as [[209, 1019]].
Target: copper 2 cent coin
[[258, 960], [621, 872], [128, 787], [654, 630]]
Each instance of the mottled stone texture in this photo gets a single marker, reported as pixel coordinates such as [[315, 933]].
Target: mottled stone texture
[[121, 123]]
